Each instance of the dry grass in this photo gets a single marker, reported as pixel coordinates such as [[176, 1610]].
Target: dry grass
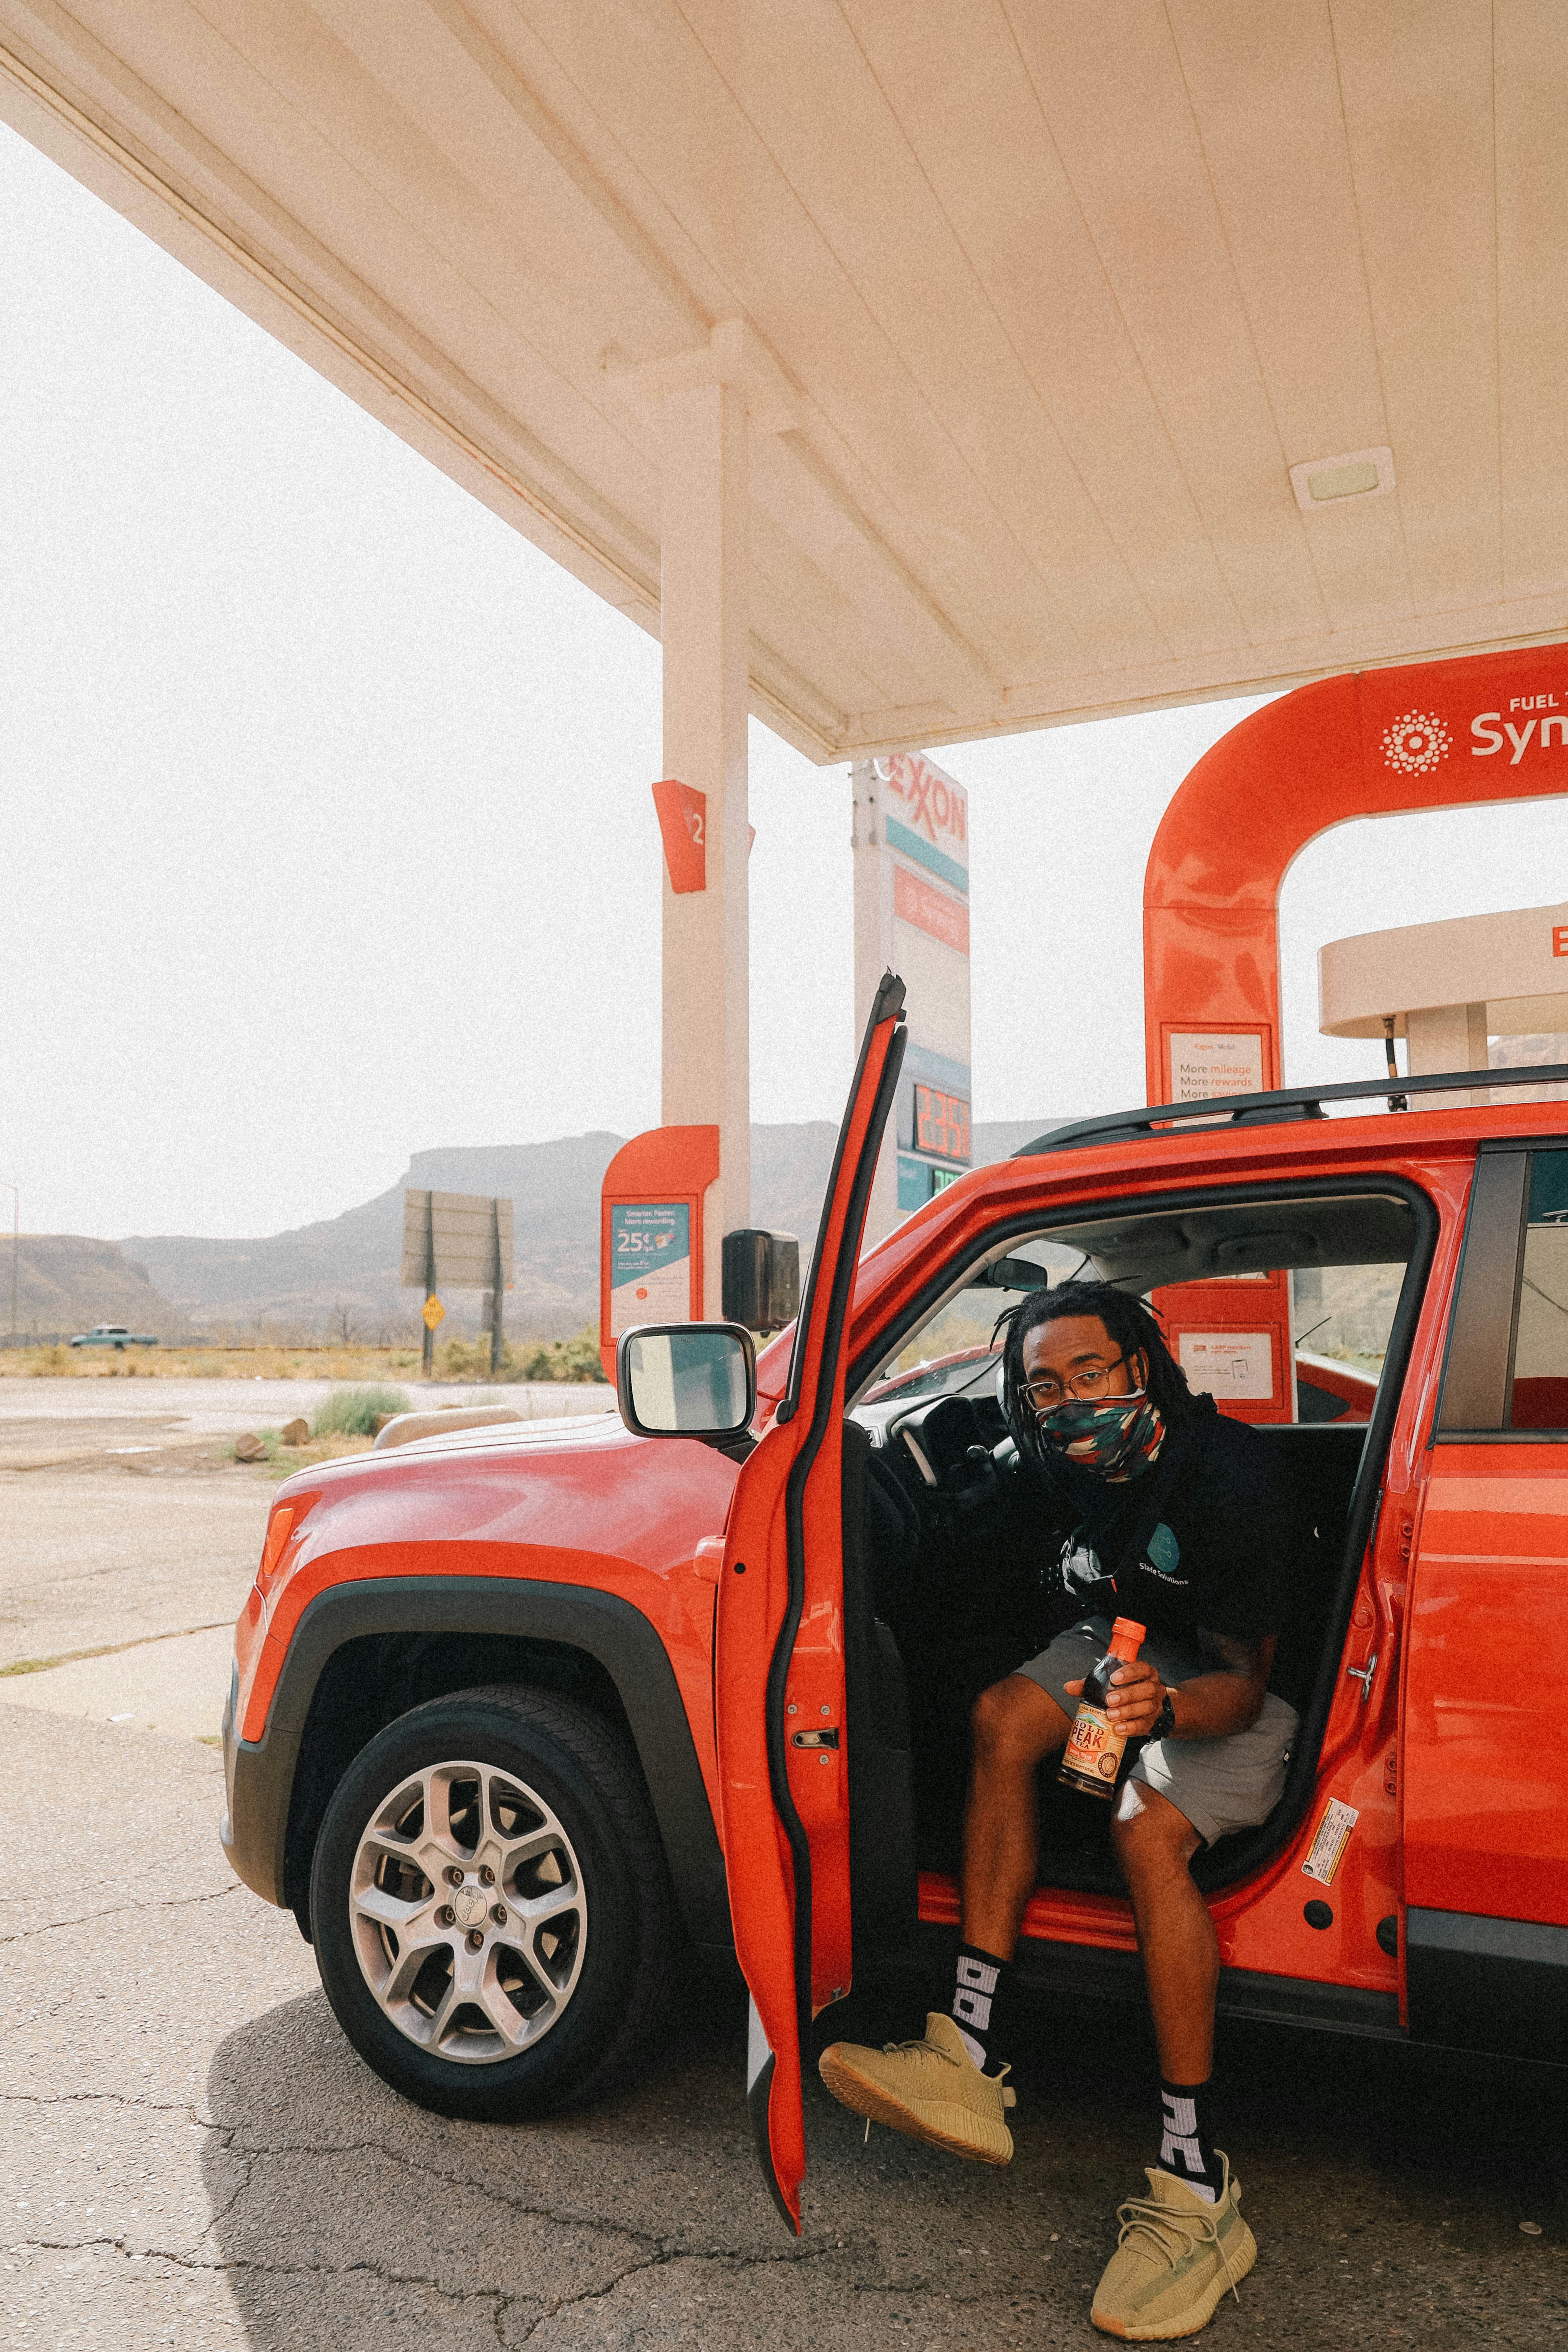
[[281, 1461], [60, 1363], [574, 1360]]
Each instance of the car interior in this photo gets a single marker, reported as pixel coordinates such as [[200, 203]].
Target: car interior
[[950, 1543]]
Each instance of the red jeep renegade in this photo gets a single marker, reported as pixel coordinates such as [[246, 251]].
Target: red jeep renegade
[[519, 1715]]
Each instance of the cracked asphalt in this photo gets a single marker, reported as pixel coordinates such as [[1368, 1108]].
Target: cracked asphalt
[[192, 2156]]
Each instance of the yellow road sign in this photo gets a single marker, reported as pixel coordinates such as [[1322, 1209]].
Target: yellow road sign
[[433, 1312]]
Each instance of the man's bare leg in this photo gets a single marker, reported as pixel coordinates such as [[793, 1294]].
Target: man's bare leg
[[923, 2087], [1176, 1936], [1016, 1724]]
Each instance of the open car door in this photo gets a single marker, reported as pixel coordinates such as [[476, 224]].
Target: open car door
[[779, 1665]]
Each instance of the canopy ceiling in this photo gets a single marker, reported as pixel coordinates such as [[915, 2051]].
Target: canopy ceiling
[[1050, 300]]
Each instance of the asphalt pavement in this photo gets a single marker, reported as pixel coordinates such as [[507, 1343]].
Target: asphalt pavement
[[128, 1535], [192, 2155]]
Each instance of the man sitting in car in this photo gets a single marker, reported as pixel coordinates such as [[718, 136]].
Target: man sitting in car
[[1168, 1515]]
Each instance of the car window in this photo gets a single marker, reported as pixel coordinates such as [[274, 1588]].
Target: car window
[[964, 1324], [1284, 1313], [1540, 1398]]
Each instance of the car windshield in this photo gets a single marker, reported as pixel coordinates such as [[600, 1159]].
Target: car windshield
[[958, 1348], [950, 1376]]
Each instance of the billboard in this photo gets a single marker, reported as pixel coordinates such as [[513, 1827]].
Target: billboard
[[463, 1232], [911, 843]]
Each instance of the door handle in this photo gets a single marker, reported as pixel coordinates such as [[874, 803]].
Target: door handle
[[814, 1739], [1363, 1676]]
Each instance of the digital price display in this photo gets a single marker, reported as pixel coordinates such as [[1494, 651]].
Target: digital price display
[[941, 1123]]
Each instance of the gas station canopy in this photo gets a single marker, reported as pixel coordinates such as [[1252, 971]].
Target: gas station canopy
[[1097, 357]]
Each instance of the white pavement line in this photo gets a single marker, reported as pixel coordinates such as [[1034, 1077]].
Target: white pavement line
[[172, 1684], [17, 1666]]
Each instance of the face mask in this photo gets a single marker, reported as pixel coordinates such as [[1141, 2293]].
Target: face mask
[[1117, 1438]]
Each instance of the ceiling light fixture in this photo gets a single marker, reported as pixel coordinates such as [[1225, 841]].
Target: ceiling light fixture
[[1325, 481]]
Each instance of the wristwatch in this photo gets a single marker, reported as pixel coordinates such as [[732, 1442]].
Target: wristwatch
[[1165, 1721]]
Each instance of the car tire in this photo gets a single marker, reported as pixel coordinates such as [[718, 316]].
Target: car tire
[[543, 1794]]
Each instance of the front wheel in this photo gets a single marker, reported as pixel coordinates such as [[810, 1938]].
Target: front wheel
[[489, 1905]]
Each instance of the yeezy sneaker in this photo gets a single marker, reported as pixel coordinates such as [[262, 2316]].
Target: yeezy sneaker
[[929, 2090], [1174, 2259]]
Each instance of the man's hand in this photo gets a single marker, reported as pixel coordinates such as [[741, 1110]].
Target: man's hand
[[1208, 1707], [1133, 1701]]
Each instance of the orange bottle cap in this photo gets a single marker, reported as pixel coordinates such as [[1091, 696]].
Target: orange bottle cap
[[1125, 1636]]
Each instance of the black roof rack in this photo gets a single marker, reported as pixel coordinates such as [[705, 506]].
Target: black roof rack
[[1264, 1110]]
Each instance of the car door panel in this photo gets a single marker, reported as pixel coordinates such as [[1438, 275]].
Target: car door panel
[[779, 1680], [1485, 1777]]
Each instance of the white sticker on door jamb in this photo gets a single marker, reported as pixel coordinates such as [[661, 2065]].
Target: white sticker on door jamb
[[1327, 1847]]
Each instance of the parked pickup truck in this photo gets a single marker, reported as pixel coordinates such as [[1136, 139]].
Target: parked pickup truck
[[524, 1719]]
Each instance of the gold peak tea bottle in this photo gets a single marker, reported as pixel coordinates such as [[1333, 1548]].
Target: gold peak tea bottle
[[1092, 1757]]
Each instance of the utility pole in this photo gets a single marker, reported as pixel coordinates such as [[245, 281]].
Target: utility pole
[[427, 1354], [496, 1296], [15, 1191]]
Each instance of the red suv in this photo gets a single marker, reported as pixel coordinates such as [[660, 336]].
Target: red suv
[[523, 1717]]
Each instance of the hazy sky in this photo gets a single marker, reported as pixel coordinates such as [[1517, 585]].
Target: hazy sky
[[326, 816]]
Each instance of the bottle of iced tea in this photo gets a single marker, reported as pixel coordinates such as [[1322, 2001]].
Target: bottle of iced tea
[[1092, 1757]]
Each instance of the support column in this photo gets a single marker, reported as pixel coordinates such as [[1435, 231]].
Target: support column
[[704, 557], [1447, 1037]]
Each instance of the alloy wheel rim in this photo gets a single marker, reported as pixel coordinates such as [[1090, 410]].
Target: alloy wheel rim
[[467, 1912]]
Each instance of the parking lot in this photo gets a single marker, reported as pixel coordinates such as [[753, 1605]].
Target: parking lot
[[194, 2157]]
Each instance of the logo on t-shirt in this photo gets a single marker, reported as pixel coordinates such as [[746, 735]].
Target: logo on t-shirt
[[1163, 1555], [1081, 1565]]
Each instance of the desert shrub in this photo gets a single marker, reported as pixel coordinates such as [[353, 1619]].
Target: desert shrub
[[469, 1360], [53, 1363], [354, 1413], [577, 1359]]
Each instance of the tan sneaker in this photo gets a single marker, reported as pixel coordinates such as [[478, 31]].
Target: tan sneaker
[[929, 2090], [1174, 2261]]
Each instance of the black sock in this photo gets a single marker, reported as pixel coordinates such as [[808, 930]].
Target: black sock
[[1185, 2150], [980, 1974]]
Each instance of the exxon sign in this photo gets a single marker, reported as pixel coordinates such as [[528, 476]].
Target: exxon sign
[[926, 816]]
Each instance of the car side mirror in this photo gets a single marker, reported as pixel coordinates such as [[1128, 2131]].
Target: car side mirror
[[687, 1380]]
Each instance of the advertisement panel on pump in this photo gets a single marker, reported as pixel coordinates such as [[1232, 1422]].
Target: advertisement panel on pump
[[911, 843]]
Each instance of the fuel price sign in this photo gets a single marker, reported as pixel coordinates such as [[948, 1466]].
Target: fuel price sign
[[650, 1264]]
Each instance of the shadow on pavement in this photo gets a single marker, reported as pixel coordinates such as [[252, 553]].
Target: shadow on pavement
[[1386, 2199]]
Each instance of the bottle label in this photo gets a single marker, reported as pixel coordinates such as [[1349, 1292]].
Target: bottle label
[[1094, 1751]]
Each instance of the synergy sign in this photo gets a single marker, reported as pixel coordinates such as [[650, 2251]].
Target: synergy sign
[[911, 912], [1418, 742], [1379, 742]]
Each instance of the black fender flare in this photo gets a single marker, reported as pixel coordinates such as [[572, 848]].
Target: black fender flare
[[602, 1625]]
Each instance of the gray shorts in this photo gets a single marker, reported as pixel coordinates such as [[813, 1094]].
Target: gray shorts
[[1218, 1785]]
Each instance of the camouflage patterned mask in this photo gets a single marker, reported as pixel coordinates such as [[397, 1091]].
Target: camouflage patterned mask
[[1117, 1438]]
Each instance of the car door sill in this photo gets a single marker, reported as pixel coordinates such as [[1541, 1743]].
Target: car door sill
[[1091, 1972]]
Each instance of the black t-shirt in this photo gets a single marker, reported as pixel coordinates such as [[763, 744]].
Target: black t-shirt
[[1221, 1554]]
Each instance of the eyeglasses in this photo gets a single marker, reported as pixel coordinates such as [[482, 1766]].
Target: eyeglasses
[[1046, 1391]]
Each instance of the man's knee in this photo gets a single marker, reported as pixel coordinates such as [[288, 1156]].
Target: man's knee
[[1015, 1720], [1151, 1839]]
